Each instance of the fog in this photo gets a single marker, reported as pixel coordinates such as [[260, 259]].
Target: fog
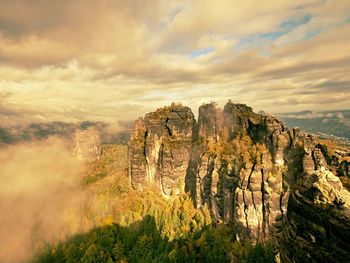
[[40, 197]]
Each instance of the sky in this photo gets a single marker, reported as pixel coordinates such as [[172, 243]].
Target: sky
[[115, 60]]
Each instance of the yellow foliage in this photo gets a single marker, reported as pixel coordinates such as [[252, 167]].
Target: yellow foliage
[[108, 221]]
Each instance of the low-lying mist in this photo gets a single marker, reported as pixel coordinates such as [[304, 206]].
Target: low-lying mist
[[40, 197], [113, 132]]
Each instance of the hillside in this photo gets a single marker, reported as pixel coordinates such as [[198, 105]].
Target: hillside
[[326, 124], [125, 225], [251, 171], [234, 186]]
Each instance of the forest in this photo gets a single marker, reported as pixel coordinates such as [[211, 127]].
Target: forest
[[136, 226]]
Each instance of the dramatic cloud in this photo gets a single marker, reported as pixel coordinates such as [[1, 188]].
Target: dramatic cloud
[[114, 60]]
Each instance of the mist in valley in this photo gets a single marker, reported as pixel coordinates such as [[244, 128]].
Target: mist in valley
[[40, 196]]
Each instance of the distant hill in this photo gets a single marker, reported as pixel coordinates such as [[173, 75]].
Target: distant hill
[[327, 124], [41, 131]]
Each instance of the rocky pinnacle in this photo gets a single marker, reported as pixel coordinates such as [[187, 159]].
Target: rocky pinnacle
[[246, 167]]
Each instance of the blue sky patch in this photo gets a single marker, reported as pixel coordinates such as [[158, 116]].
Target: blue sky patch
[[295, 22], [284, 28], [312, 33], [201, 52], [271, 35]]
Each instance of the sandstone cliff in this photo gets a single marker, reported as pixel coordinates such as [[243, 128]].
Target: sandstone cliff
[[317, 225], [159, 148], [237, 170], [246, 167]]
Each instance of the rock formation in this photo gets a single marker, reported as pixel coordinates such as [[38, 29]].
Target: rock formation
[[317, 225], [87, 145], [239, 167], [248, 168], [159, 148]]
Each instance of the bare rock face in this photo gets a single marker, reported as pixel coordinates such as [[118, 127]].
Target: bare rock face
[[87, 145], [338, 159], [344, 168], [317, 225], [136, 155], [246, 167], [240, 167], [159, 149]]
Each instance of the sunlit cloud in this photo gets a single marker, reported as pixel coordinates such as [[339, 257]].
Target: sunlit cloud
[[112, 60]]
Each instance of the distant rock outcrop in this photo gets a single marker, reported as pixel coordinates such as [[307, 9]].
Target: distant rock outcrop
[[87, 145], [248, 168]]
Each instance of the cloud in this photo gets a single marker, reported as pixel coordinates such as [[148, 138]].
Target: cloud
[[310, 115], [82, 59]]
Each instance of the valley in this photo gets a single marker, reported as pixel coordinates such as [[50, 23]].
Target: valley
[[235, 186]]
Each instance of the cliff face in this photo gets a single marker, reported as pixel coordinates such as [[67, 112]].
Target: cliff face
[[237, 169], [317, 225], [159, 149], [244, 166]]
